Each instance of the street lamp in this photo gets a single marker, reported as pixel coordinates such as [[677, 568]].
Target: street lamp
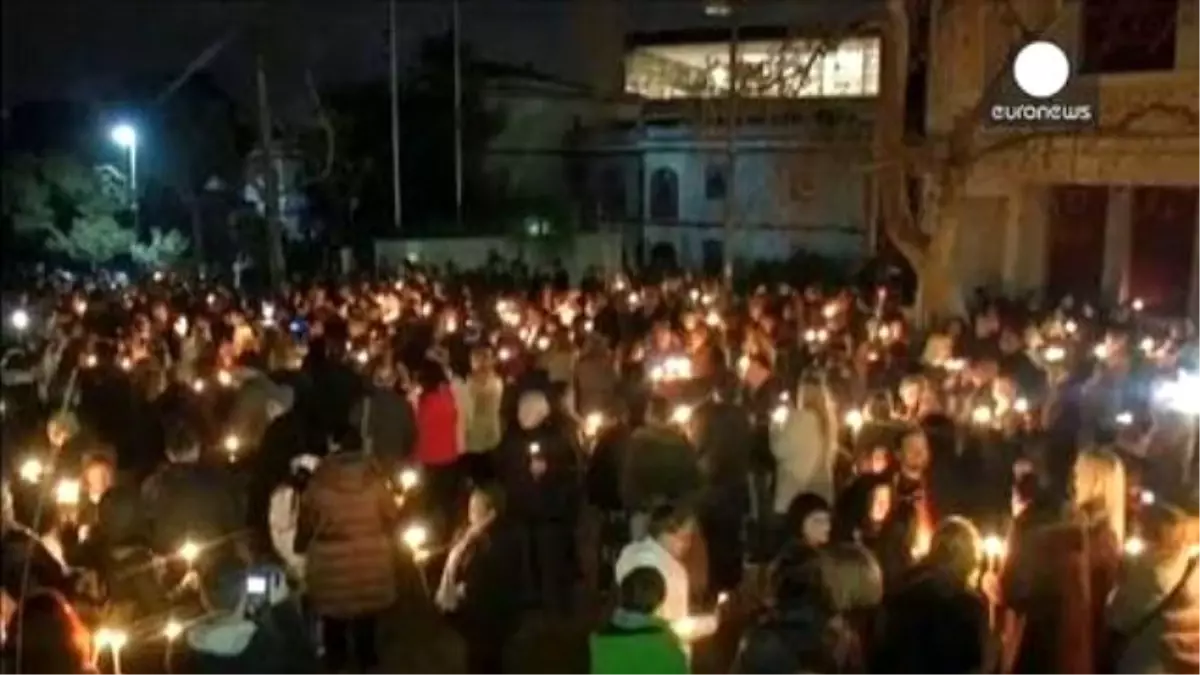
[[125, 136]]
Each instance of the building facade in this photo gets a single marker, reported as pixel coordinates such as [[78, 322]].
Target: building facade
[[795, 129], [1111, 212]]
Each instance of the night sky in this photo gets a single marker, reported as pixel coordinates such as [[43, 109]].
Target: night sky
[[70, 48]]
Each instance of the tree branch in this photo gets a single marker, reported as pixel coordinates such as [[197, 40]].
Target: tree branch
[[1121, 129], [327, 129]]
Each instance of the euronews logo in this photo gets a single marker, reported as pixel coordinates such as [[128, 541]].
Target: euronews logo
[[1040, 90]]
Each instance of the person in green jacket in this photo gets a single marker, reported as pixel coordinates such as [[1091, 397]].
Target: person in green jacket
[[635, 640]]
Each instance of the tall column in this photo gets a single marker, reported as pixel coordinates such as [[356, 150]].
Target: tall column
[[1011, 272], [1194, 303], [1118, 239]]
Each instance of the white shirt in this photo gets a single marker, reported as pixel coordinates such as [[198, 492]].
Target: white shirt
[[649, 553]]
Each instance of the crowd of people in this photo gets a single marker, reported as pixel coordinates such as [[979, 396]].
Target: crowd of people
[[204, 479]]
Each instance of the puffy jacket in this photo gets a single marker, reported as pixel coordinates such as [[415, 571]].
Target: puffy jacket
[[437, 428], [346, 527]]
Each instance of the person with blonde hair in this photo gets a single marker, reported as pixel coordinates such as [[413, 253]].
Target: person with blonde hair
[[1060, 568], [855, 583], [934, 620], [805, 446]]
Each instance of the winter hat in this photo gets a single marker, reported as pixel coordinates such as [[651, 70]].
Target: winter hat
[[804, 505], [532, 409]]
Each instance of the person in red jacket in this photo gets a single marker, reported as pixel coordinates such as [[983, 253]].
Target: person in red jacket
[[438, 448]]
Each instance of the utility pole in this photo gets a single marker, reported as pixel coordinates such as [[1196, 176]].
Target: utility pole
[[458, 122], [270, 177], [394, 82]]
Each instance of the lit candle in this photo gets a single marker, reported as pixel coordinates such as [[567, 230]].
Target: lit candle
[[1147, 498], [1100, 351], [1138, 305], [682, 414], [31, 470], [188, 552], [982, 415], [224, 378], [1134, 547], [994, 549], [592, 424], [415, 537], [1021, 405], [409, 479], [535, 449], [90, 361], [67, 492], [780, 414], [172, 630], [232, 444], [854, 420], [198, 386], [1124, 418], [1054, 354]]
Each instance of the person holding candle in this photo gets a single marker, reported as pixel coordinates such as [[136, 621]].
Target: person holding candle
[[438, 448], [670, 533], [540, 473], [636, 639], [1060, 568], [933, 620], [800, 630], [484, 582]]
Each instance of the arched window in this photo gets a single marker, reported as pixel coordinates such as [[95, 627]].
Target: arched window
[[612, 193], [714, 182], [664, 194]]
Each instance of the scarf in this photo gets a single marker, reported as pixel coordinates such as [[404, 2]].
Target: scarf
[[450, 590]]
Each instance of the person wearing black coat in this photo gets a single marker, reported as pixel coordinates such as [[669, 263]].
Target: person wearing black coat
[[483, 583], [539, 469]]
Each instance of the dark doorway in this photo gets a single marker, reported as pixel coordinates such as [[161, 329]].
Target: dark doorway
[[1075, 240], [1163, 247]]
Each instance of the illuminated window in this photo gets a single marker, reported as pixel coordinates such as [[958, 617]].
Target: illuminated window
[[796, 69]]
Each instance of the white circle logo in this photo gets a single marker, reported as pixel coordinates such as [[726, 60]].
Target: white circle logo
[[1041, 69]]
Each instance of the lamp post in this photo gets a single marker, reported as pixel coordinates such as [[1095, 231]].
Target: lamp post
[[125, 136]]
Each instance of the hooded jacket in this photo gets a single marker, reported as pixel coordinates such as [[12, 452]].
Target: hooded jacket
[[636, 643]]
